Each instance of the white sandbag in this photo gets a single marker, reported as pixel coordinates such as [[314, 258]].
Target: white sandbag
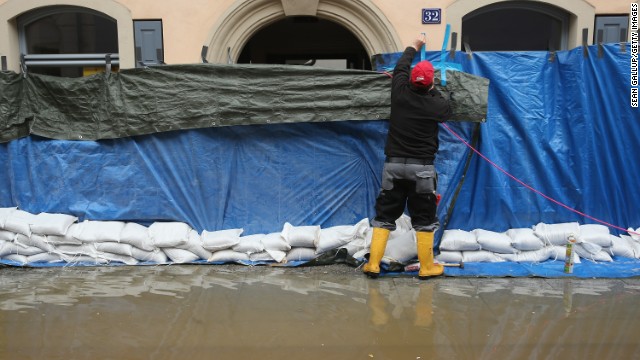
[[84, 259], [403, 225], [453, 257], [539, 255], [480, 256], [277, 255], [361, 253], [557, 234], [495, 242], [595, 234], [250, 244], [90, 231], [524, 239], [559, 253], [7, 248], [77, 250], [301, 254], [459, 240], [634, 233], [136, 235], [275, 241], [221, 239], [359, 244], [7, 235], [114, 248], [635, 244], [590, 248], [52, 224], [20, 259], [4, 214], [194, 244], [401, 249], [44, 258], [301, 236], [169, 234], [227, 256], [154, 256], [622, 246], [19, 221], [265, 256], [28, 251], [589, 252], [336, 236], [109, 257], [180, 256], [68, 239], [39, 241]]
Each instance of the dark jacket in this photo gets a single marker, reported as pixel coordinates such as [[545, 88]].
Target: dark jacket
[[415, 113]]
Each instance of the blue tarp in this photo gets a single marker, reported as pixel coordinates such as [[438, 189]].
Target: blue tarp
[[565, 127]]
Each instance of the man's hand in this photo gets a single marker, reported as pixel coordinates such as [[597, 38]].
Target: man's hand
[[419, 41]]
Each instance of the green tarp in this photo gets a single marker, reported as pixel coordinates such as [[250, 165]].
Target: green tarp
[[155, 99]]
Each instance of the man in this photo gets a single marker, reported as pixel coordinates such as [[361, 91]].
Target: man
[[409, 177]]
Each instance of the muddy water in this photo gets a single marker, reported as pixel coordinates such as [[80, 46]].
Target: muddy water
[[237, 312]]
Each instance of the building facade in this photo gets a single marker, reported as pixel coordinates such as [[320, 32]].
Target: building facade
[[79, 37]]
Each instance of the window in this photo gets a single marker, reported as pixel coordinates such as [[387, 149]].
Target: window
[[67, 41], [149, 44], [516, 26], [614, 28]]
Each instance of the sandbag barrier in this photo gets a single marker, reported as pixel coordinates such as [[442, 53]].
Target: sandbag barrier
[[47, 239]]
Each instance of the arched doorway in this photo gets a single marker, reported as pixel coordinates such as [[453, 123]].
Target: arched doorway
[[238, 25], [516, 26], [306, 39]]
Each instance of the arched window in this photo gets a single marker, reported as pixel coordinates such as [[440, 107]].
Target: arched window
[[67, 40], [516, 26], [298, 40]]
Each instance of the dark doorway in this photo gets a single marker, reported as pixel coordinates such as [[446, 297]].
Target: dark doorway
[[303, 39], [516, 26]]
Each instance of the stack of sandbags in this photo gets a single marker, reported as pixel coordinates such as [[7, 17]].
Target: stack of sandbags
[[31, 238], [178, 241], [28, 238], [302, 240], [220, 243], [142, 247], [401, 243], [515, 245], [456, 242]]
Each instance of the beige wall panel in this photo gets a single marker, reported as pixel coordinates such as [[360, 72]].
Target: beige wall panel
[[407, 20], [611, 6], [185, 24]]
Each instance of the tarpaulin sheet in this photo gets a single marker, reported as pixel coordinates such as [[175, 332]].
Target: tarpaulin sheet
[[178, 97], [564, 126]]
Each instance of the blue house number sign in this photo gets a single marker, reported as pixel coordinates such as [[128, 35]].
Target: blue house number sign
[[431, 16]]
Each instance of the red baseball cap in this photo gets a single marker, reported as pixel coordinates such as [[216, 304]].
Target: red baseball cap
[[422, 74]]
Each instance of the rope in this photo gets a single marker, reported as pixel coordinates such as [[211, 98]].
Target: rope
[[535, 190]]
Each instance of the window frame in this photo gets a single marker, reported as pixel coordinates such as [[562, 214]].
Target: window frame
[[61, 60]]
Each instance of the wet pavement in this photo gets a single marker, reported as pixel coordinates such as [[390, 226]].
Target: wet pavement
[[323, 312]]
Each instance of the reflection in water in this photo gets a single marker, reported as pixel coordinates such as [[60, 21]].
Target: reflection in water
[[240, 312]]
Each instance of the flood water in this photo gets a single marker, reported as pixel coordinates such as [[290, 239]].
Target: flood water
[[324, 312]]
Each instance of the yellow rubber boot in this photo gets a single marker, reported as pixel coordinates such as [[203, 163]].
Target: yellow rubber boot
[[425, 256], [376, 252]]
